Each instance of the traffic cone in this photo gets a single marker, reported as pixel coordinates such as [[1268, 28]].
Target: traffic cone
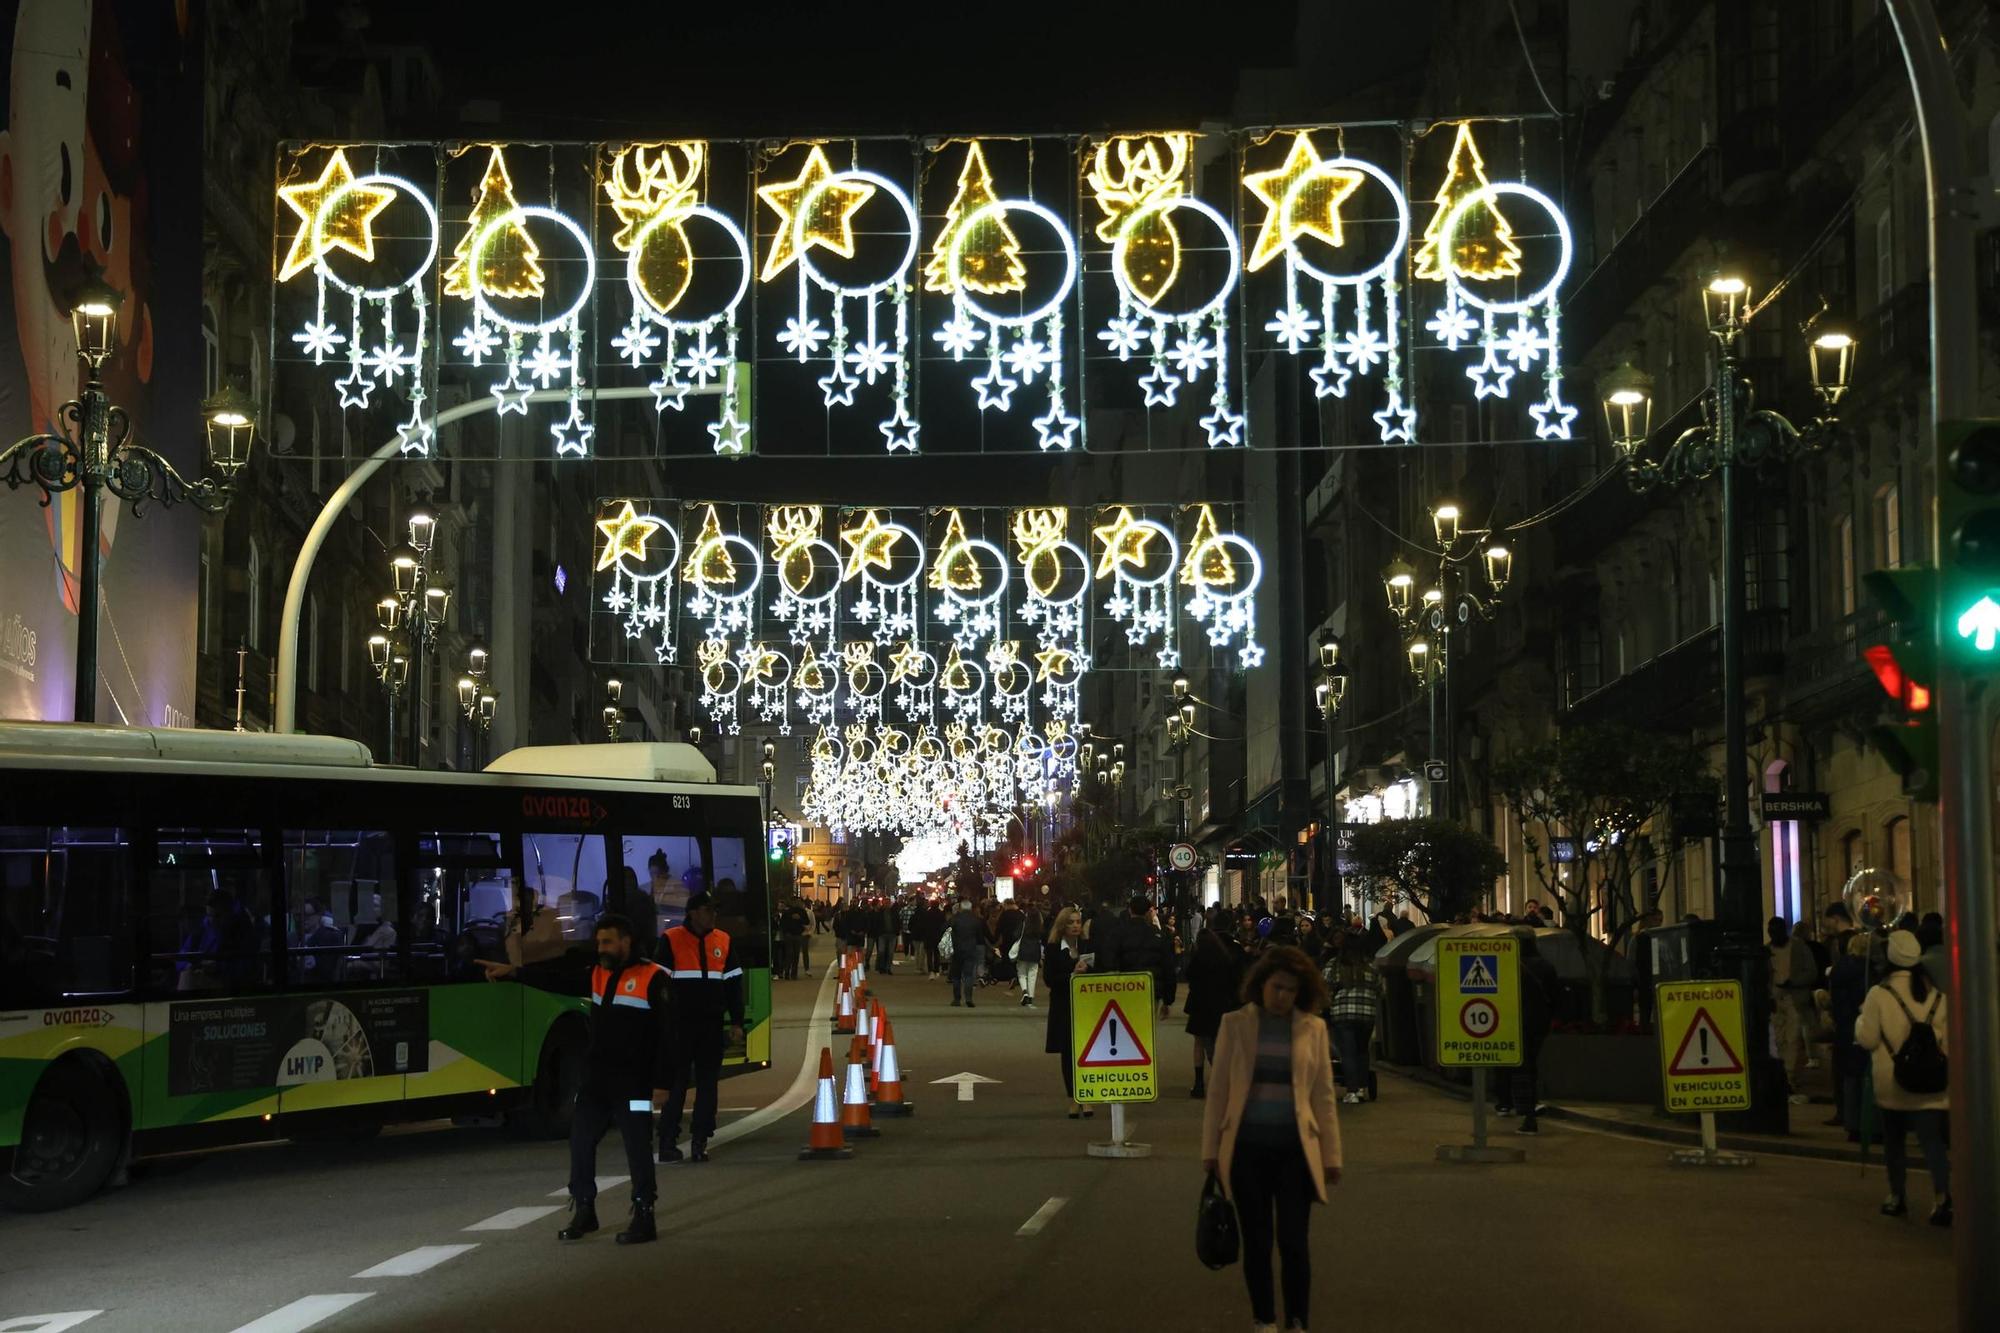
[[876, 1019], [889, 1084], [825, 1141], [854, 1120], [864, 1021], [843, 1019]]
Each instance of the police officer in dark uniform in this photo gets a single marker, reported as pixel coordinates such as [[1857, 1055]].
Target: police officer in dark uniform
[[631, 1009], [708, 990]]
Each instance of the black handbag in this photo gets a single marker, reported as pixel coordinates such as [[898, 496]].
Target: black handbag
[[1216, 1242]]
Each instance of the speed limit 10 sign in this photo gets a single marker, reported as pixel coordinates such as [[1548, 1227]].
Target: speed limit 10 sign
[[1478, 1000]]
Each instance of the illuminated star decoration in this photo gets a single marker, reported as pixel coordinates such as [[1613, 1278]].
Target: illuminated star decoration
[[625, 533], [1143, 604], [814, 208], [346, 227], [573, 433], [870, 544], [1143, 186], [1302, 198]]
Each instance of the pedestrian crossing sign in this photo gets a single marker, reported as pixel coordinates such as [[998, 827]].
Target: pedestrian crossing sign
[[1477, 975], [1111, 1037]]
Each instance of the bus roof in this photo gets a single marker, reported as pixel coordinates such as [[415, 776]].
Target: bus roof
[[630, 761]]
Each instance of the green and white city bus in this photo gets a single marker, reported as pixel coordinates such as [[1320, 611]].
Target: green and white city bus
[[163, 985]]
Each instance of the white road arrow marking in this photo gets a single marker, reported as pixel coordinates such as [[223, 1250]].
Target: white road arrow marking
[[965, 1083]]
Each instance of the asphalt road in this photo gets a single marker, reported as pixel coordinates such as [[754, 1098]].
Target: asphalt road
[[983, 1216]]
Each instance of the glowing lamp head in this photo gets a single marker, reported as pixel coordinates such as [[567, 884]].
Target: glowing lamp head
[[1399, 583], [1444, 520], [93, 320], [423, 529], [1187, 715], [1725, 302], [1329, 653], [437, 601], [1419, 653], [1433, 598], [1832, 356], [1180, 687], [406, 569], [614, 718], [614, 689], [489, 705], [1499, 565], [468, 694], [232, 429], [477, 660], [1628, 407], [378, 652]]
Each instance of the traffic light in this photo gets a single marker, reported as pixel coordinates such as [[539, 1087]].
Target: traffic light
[[1969, 543], [1906, 667]]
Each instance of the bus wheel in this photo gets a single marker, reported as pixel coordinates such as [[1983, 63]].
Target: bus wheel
[[71, 1140], [552, 1101]]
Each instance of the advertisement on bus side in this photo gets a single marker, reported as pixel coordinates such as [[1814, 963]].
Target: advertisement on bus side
[[282, 1040]]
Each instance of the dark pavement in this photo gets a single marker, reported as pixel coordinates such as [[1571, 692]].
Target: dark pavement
[[922, 1228]]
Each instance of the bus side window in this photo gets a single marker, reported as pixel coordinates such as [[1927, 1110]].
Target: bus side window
[[340, 907], [741, 906], [461, 892], [64, 924], [566, 871], [208, 913]]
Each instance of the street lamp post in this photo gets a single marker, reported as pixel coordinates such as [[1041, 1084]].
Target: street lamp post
[[477, 698], [1734, 434], [614, 712], [91, 449], [412, 619], [1328, 693]]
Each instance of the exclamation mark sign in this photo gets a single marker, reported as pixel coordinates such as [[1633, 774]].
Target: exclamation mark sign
[[1702, 1032], [1114, 1036]]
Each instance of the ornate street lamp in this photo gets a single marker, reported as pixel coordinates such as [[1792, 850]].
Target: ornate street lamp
[[92, 449], [1444, 521], [1499, 566], [1628, 407], [1399, 582]]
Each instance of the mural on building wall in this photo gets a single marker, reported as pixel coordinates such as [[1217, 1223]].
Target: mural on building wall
[[93, 94]]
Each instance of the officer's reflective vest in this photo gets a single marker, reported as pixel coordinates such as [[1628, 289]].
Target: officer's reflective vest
[[633, 990], [707, 983]]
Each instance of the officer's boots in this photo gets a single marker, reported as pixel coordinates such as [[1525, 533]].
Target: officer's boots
[[641, 1229], [699, 1151], [582, 1221]]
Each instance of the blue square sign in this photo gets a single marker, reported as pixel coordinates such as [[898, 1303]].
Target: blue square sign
[[1478, 974]]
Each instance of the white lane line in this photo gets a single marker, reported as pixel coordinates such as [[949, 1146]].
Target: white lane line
[[515, 1217], [603, 1183], [803, 1085], [1041, 1217], [412, 1262], [304, 1312], [46, 1323]]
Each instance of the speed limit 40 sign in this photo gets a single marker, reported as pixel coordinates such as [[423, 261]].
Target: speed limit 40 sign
[[1181, 856]]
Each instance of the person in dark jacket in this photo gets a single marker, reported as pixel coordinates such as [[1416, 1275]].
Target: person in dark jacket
[[624, 1068], [1540, 989], [1214, 976], [1134, 944], [969, 942], [1059, 964], [928, 927], [708, 993], [1847, 988]]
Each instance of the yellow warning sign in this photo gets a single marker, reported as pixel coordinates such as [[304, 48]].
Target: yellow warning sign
[[1701, 1046], [1479, 1001], [1111, 1037]]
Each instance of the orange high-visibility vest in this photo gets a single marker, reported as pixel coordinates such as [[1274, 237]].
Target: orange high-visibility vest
[[632, 990], [692, 957]]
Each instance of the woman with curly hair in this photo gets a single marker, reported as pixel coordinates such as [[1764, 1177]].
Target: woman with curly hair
[[1270, 1132]]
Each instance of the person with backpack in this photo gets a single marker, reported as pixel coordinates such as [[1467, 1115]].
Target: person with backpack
[[1903, 1023]]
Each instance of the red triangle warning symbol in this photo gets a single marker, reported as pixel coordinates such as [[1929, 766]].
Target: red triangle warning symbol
[[1703, 1050], [1113, 1044]]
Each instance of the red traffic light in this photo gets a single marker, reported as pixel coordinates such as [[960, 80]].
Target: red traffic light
[[1028, 864], [1895, 681]]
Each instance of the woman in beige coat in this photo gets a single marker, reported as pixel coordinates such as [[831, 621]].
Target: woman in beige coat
[[1896, 1004], [1269, 1131]]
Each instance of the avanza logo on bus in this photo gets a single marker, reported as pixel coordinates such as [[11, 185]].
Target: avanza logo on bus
[[549, 806]]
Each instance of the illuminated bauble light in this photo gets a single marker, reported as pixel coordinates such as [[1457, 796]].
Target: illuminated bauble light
[[1132, 179], [1483, 197]]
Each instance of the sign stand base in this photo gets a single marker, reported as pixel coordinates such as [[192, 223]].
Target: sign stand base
[[1708, 1154], [1478, 1152], [1116, 1146]]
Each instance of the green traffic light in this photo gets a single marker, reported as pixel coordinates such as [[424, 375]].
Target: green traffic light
[[1980, 623]]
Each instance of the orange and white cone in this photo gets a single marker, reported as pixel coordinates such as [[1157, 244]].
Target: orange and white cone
[[843, 1019], [876, 1018], [825, 1141], [864, 1021], [889, 1081], [854, 1120]]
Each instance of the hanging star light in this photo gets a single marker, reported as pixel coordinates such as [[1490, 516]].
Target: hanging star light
[[807, 572], [655, 192], [640, 590], [971, 601], [1142, 582], [1055, 574], [1303, 200], [816, 211], [336, 215], [887, 604], [1223, 569], [724, 572], [1140, 184], [977, 257]]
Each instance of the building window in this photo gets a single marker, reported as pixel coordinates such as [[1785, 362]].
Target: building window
[[253, 590], [1843, 540], [1889, 527]]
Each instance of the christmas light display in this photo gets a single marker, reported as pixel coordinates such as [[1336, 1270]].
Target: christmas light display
[[640, 590], [655, 192], [886, 603], [1055, 574], [1224, 570], [337, 212], [1142, 580], [978, 256], [1302, 200], [1139, 183], [971, 599], [816, 211]]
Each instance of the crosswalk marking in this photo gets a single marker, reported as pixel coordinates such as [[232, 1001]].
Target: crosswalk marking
[[304, 1312], [1041, 1217], [412, 1262], [603, 1183], [515, 1217]]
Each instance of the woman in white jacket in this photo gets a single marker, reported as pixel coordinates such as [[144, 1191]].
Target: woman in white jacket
[[1894, 1006]]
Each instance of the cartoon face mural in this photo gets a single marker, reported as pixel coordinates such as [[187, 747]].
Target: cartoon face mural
[[75, 166]]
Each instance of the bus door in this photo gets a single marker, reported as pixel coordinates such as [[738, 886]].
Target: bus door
[[461, 887]]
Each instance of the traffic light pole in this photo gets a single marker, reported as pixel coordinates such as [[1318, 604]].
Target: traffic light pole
[[1966, 703]]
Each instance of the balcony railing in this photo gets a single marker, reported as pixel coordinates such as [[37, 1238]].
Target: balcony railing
[[1825, 669], [1662, 234], [1681, 684]]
